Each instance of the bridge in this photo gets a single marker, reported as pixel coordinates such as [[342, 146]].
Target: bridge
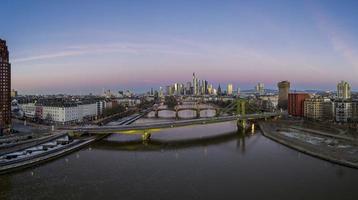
[[244, 122], [197, 108]]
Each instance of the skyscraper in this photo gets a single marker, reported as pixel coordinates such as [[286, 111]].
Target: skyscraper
[[5, 87], [219, 92], [260, 88], [195, 85], [283, 89], [343, 90], [229, 89]]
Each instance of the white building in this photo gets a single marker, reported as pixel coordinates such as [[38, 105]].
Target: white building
[[342, 110], [343, 90], [28, 109], [229, 89], [260, 88], [87, 111], [60, 114]]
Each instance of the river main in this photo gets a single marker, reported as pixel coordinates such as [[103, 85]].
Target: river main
[[197, 162]]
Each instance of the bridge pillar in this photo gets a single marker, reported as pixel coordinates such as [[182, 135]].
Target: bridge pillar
[[244, 125], [241, 124], [146, 136]]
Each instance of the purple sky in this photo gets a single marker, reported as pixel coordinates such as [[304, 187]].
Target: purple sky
[[138, 45]]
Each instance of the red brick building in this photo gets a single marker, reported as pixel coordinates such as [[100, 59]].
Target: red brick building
[[5, 87], [295, 103]]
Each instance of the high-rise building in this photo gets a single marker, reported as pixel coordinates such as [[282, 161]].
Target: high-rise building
[[210, 89], [260, 88], [229, 89], [161, 92], [219, 92], [5, 87], [343, 90], [296, 103], [195, 85], [283, 89]]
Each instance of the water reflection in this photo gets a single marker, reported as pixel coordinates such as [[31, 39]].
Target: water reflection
[[162, 144], [210, 161]]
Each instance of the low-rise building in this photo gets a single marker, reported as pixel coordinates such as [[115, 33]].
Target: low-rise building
[[296, 103], [342, 110], [268, 102], [60, 112], [318, 108]]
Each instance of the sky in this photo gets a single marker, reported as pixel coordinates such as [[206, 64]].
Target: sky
[[86, 46]]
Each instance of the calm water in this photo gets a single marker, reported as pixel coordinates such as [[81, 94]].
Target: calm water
[[198, 162]]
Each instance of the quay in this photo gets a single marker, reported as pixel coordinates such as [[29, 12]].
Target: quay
[[335, 149]]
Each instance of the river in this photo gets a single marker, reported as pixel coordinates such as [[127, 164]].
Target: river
[[196, 162]]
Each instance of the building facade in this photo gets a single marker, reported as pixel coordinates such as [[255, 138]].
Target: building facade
[[283, 89], [296, 103], [260, 88], [318, 108], [343, 90], [5, 87], [354, 107], [342, 111], [229, 89], [64, 113]]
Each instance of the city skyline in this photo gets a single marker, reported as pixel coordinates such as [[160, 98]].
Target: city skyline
[[141, 46]]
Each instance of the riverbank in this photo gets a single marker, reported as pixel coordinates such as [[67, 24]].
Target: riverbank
[[326, 146], [17, 143], [46, 153]]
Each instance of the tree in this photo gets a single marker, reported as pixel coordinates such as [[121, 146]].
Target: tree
[[171, 101]]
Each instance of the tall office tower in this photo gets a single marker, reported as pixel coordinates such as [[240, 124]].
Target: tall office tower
[[181, 89], [343, 90], [202, 91], [260, 88], [206, 90], [283, 89], [219, 92], [229, 89], [5, 87], [210, 89], [161, 92], [188, 88], [195, 84], [238, 91]]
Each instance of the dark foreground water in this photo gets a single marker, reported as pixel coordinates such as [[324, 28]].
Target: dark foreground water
[[212, 162]]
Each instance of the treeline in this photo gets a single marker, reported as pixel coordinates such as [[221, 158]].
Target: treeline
[[114, 110], [171, 101]]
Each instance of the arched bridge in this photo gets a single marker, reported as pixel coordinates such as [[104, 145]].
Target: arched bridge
[[177, 109]]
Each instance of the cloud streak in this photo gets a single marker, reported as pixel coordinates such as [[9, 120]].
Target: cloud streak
[[89, 49], [337, 39]]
